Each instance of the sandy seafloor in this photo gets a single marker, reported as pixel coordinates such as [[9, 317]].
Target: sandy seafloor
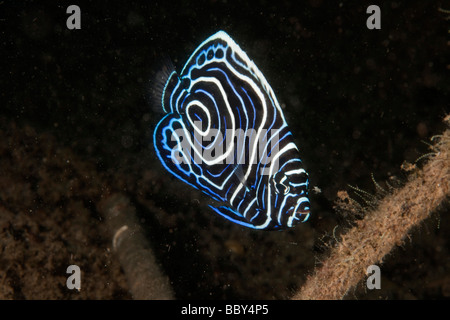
[[76, 119]]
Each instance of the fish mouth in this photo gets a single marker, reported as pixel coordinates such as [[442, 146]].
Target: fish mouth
[[299, 214], [302, 210], [302, 216]]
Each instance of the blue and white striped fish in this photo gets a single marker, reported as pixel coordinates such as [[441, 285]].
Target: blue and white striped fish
[[225, 134]]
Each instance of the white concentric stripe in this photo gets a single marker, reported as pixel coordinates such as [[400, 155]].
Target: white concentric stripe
[[236, 95], [224, 180], [202, 106], [242, 103], [220, 158], [217, 82], [217, 138], [260, 94]]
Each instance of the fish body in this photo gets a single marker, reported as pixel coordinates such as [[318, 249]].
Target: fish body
[[225, 134]]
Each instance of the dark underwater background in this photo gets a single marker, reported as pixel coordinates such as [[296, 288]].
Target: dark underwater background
[[76, 119]]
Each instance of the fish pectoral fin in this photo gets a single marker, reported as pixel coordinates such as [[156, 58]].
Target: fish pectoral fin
[[164, 81], [232, 215]]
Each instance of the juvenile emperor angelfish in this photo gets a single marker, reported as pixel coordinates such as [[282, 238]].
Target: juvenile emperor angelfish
[[225, 134]]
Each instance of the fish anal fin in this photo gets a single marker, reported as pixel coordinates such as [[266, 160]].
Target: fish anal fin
[[232, 216]]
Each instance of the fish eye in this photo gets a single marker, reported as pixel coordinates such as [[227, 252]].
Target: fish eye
[[298, 191]]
